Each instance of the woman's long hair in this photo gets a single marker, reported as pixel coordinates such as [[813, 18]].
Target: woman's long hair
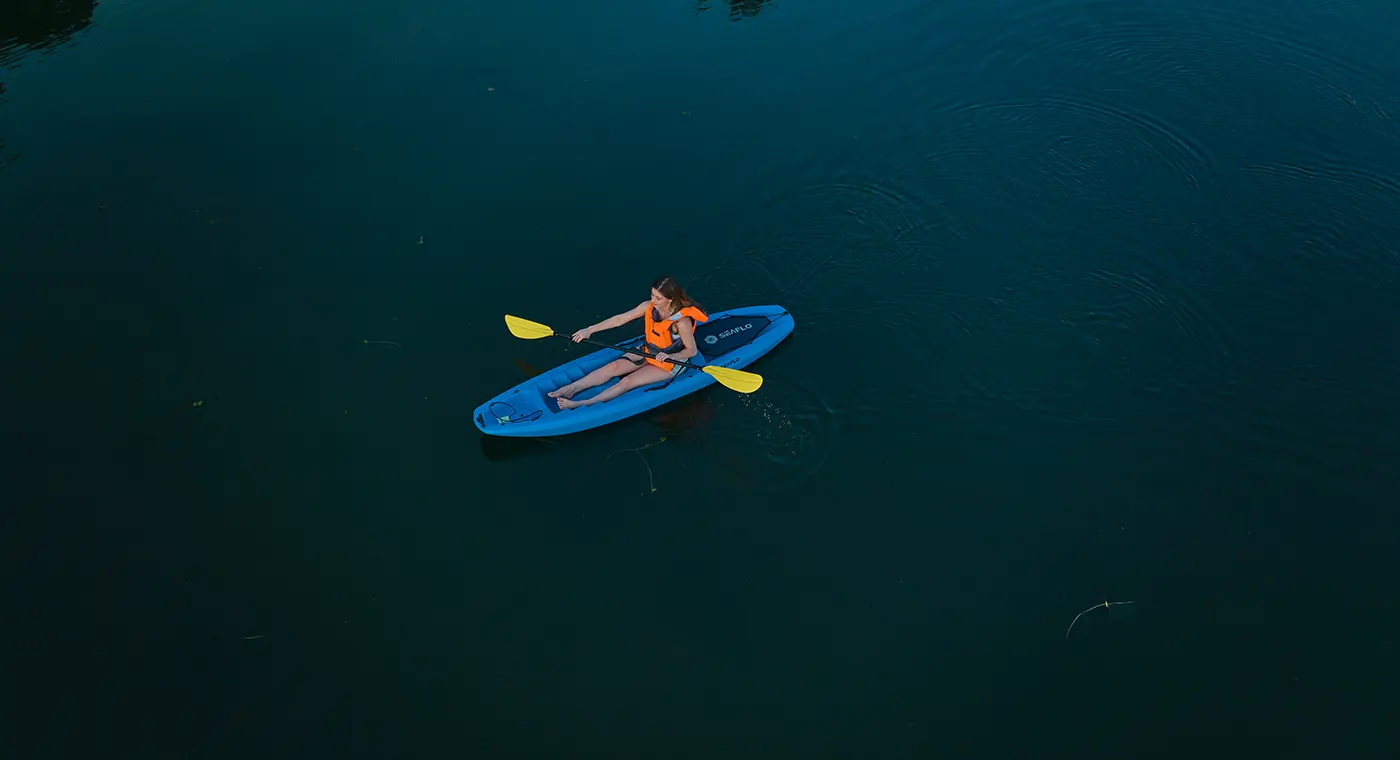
[[668, 287]]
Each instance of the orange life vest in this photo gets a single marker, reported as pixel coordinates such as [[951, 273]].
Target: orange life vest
[[663, 335]]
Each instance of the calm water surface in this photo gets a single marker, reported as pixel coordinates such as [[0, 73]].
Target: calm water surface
[[1095, 302]]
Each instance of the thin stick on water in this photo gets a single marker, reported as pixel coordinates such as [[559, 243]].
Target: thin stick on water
[[1105, 605], [651, 481], [382, 343]]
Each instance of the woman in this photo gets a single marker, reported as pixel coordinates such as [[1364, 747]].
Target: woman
[[670, 334]]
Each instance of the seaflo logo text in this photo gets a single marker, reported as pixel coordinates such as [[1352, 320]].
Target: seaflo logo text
[[733, 330]]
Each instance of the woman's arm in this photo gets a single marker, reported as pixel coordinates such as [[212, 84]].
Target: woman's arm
[[687, 329], [617, 320]]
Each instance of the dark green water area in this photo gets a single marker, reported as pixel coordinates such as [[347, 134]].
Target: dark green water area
[[1095, 302]]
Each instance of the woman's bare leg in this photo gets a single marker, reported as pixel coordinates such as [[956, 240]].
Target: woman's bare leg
[[598, 376], [645, 375]]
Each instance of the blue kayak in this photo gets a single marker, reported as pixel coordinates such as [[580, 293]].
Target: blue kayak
[[733, 338]]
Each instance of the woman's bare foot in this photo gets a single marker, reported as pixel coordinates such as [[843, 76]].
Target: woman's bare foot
[[567, 403], [564, 392]]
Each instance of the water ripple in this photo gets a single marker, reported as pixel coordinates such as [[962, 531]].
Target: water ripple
[[828, 248], [1177, 40], [1353, 209], [1186, 156], [1055, 232], [772, 444]]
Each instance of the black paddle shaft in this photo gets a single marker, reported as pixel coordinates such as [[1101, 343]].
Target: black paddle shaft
[[635, 351]]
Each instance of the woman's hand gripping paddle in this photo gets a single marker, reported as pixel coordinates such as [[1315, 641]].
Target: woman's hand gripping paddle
[[734, 379]]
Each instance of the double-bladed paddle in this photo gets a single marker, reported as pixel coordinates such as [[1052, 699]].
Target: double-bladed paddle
[[734, 379]]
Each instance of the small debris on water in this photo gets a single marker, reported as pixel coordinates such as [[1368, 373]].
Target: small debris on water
[[651, 480], [1102, 605]]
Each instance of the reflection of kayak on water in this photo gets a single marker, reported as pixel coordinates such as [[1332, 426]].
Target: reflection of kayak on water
[[747, 444], [690, 415], [729, 340], [687, 418]]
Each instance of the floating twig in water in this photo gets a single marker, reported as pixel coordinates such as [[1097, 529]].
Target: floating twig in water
[[651, 481], [259, 636], [1105, 605], [382, 343]]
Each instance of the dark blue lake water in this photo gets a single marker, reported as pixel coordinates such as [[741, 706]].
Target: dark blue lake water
[[1095, 302]]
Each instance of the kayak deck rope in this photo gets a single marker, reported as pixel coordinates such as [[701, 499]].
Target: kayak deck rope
[[512, 415]]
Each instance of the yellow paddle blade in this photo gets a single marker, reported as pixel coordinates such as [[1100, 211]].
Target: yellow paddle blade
[[524, 328], [735, 379]]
